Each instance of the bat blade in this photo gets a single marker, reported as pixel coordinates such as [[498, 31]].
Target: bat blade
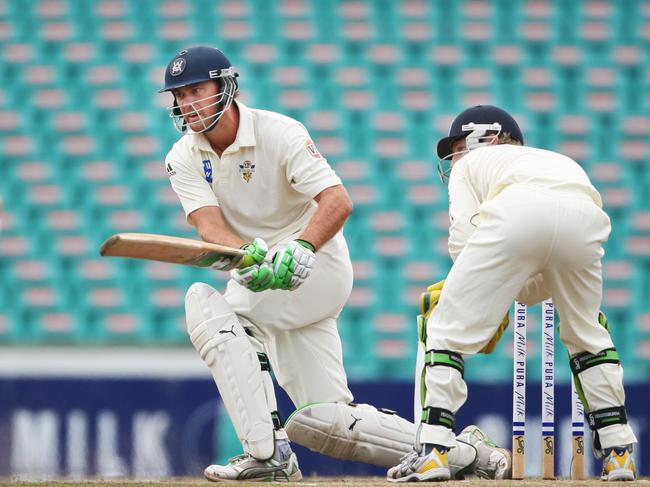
[[174, 250]]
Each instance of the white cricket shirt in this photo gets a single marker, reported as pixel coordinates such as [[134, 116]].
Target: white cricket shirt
[[483, 173], [264, 183]]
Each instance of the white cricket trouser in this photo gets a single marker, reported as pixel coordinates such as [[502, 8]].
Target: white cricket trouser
[[299, 328], [525, 231]]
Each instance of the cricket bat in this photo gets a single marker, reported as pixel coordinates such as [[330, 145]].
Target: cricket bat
[[175, 250]]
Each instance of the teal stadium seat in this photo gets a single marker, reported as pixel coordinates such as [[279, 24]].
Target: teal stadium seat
[[376, 83]]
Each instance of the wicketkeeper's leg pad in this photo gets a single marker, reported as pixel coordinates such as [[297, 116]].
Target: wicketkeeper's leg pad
[[599, 383], [363, 433], [216, 333]]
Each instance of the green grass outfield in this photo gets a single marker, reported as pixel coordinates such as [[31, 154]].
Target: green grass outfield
[[320, 481]]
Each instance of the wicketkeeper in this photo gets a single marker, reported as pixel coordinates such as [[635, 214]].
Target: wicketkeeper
[[526, 224]]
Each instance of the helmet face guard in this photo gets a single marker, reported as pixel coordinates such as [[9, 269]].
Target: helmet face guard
[[478, 137], [221, 100]]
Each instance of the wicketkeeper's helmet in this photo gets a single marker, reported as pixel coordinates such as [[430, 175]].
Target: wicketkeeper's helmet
[[478, 115]]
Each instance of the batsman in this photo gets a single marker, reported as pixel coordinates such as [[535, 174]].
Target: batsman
[[526, 224], [254, 179]]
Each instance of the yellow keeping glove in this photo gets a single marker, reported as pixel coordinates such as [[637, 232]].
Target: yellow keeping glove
[[489, 348], [429, 299]]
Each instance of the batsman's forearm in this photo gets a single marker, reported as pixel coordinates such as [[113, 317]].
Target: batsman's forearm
[[213, 228], [334, 208], [221, 236], [224, 238]]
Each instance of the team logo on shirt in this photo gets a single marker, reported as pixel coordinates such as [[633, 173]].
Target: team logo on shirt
[[247, 168], [313, 151], [207, 170]]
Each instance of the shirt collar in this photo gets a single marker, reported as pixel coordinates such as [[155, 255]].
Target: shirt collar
[[245, 133]]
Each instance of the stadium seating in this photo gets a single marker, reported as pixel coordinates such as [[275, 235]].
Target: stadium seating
[[84, 134]]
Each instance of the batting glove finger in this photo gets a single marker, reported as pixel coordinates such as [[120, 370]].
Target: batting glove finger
[[256, 278], [255, 253]]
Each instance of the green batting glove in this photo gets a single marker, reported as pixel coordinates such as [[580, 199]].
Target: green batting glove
[[255, 253], [257, 278], [293, 264]]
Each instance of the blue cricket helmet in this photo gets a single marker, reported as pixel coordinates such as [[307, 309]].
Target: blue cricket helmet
[[196, 64], [479, 114]]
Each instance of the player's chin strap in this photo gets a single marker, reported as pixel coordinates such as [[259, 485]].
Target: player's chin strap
[[478, 137]]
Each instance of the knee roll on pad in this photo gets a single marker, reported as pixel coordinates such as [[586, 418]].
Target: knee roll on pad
[[225, 347]]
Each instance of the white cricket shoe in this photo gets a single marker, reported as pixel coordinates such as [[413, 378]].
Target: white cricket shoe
[[281, 467], [492, 462], [618, 465], [419, 467]]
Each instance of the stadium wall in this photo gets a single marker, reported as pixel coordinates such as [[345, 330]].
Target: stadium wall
[[152, 427]]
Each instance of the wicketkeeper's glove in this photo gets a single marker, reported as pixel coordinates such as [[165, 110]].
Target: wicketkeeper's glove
[[292, 264], [489, 348], [429, 300]]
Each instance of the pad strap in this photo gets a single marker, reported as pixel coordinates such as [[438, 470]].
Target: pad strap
[[439, 417], [264, 361], [278, 424], [381, 410], [583, 361], [607, 417], [446, 358], [387, 411]]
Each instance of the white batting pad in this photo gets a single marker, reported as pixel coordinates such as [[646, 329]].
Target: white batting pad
[[359, 433], [223, 344], [362, 433]]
